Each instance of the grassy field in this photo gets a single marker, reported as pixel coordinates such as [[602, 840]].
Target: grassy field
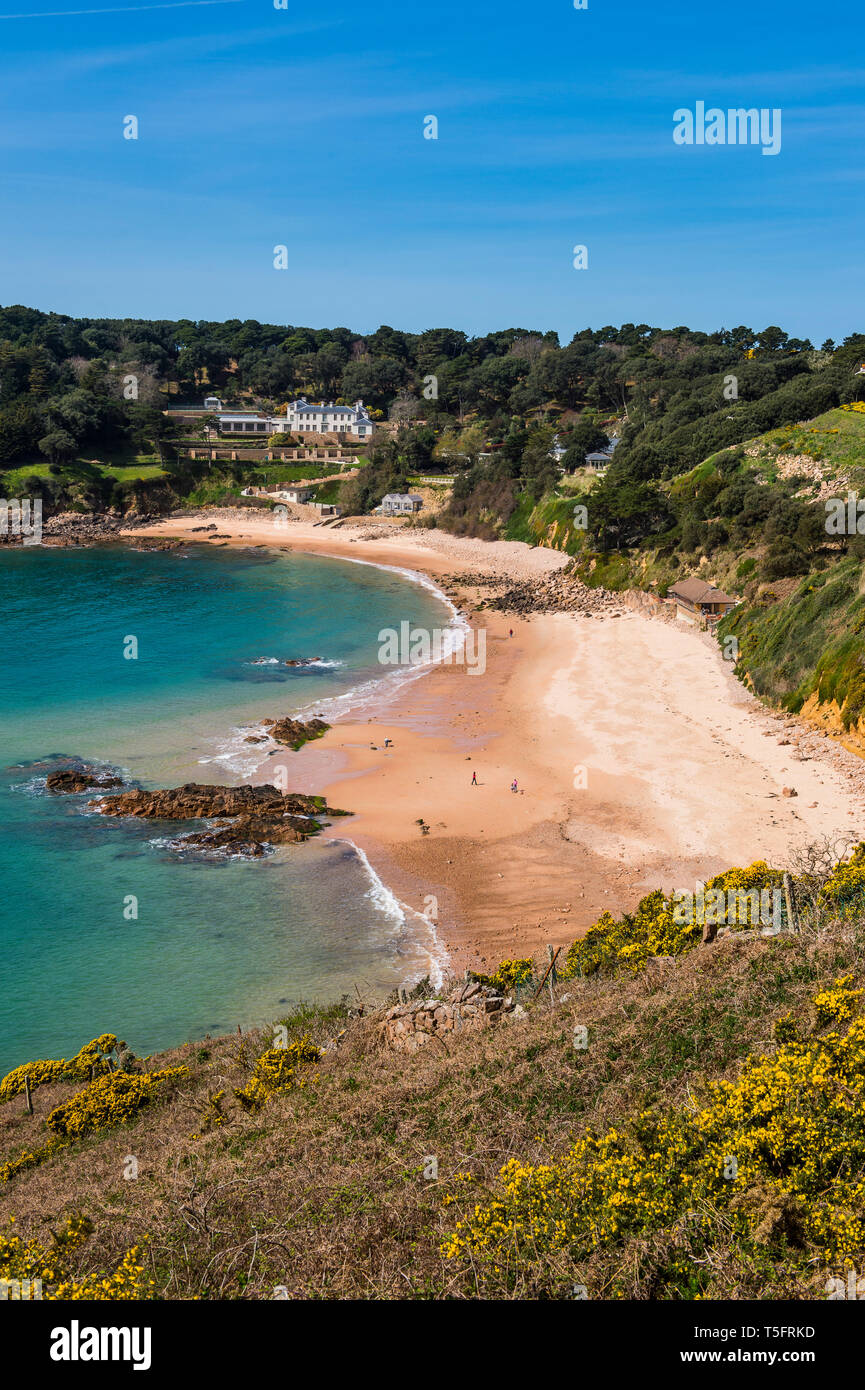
[[836, 439], [131, 469], [295, 472]]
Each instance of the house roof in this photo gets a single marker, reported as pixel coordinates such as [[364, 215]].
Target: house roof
[[303, 407], [698, 591]]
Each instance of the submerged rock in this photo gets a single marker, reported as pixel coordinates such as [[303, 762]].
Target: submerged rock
[[75, 780]]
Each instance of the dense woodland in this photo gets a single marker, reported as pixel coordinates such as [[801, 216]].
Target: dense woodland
[[487, 409]]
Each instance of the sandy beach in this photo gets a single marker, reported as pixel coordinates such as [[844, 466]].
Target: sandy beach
[[640, 761]]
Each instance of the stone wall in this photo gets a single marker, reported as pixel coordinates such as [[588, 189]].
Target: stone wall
[[413, 1024]]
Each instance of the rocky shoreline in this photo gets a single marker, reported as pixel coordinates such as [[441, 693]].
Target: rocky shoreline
[[554, 592], [72, 780], [241, 820], [86, 529]]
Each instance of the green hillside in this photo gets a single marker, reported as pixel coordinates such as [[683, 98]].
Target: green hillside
[[670, 1120]]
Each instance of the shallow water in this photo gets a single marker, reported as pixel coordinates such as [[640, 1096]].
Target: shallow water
[[214, 943]]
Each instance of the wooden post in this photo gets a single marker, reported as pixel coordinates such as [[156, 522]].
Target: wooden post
[[28, 1099], [546, 973], [792, 922], [551, 974]]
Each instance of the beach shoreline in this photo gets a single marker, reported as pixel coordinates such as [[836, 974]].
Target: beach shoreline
[[640, 762]]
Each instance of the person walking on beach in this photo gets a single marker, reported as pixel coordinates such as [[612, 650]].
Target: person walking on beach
[[474, 779], [514, 785]]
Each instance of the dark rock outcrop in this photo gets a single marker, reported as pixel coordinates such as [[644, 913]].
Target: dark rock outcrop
[[247, 818], [295, 732]]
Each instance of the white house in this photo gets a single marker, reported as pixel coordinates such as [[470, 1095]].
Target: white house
[[558, 450], [212, 403], [302, 418]]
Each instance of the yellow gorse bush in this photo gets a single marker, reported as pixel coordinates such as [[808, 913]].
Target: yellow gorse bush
[[91, 1059], [32, 1259], [837, 1005], [112, 1100], [791, 1125], [277, 1069], [653, 929], [844, 892], [509, 974]]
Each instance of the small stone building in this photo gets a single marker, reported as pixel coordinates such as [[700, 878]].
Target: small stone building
[[400, 503], [697, 601]]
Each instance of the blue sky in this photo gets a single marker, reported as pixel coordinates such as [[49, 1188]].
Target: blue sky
[[304, 127]]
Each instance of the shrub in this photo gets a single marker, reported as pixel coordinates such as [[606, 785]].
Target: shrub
[[277, 1070], [509, 974], [92, 1058], [112, 1100], [777, 1154], [31, 1259]]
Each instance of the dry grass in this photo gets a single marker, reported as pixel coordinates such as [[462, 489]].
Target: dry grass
[[323, 1191]]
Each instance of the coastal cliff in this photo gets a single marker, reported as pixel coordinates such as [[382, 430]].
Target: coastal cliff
[[506, 1136]]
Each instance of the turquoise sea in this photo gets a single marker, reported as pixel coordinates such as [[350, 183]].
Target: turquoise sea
[[215, 942]]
